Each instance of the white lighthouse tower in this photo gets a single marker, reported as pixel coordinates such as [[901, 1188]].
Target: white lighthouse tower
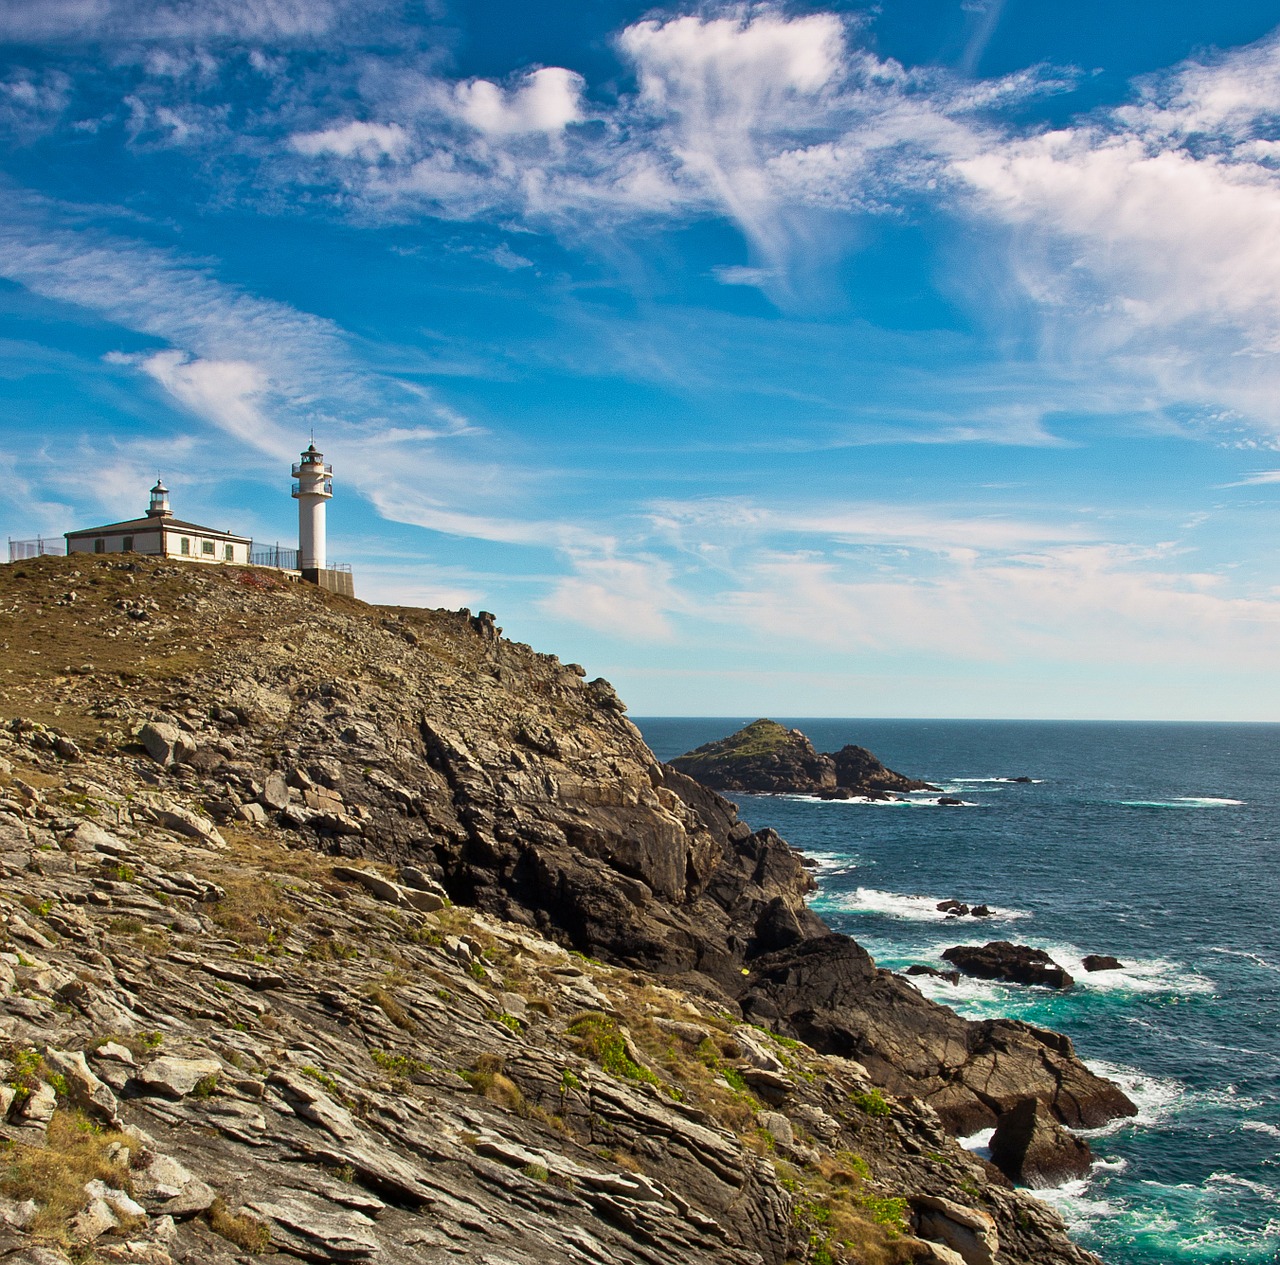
[[313, 486]]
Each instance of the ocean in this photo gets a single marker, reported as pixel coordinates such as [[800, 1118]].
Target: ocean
[[1156, 843]]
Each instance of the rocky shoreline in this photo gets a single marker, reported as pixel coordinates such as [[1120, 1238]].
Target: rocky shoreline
[[363, 933]]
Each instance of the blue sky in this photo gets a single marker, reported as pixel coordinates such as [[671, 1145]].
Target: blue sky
[[913, 359]]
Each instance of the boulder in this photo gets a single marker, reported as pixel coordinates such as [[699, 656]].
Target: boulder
[[1102, 962], [166, 744], [184, 822], [275, 793], [1031, 1148], [176, 1077], [83, 1086], [1015, 963], [969, 1232]]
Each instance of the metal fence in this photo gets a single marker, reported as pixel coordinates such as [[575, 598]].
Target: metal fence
[[20, 550], [278, 556]]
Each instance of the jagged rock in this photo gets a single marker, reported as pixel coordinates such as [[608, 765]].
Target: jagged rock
[[83, 1085], [92, 1222], [175, 1077], [492, 777], [93, 837], [185, 822], [1102, 962], [1002, 960], [777, 1126], [166, 744], [1030, 1147], [829, 993], [118, 1201], [303, 1225], [35, 1110], [275, 793], [767, 757], [969, 1232]]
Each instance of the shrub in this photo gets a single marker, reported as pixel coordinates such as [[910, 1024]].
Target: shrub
[[871, 1101], [600, 1039]]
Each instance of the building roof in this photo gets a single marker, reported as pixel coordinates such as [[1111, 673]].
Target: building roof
[[155, 522]]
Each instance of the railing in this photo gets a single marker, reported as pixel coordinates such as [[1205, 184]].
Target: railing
[[311, 467], [325, 489], [278, 556], [20, 550]]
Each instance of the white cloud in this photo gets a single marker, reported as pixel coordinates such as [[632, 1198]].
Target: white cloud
[[547, 100], [1100, 604], [738, 275], [630, 598], [1258, 478], [86, 21], [367, 141], [225, 392]]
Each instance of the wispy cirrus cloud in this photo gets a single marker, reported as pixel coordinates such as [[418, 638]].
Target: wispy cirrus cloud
[[263, 374]]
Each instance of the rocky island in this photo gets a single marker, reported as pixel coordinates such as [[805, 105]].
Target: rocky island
[[765, 757], [358, 933]]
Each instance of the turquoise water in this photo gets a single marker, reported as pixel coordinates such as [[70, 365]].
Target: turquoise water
[[1153, 842]]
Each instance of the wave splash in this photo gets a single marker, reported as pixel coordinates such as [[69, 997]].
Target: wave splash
[[869, 900]]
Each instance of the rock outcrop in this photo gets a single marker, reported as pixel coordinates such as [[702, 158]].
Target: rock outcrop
[[390, 939], [765, 757], [1031, 1148], [1102, 962], [1014, 963]]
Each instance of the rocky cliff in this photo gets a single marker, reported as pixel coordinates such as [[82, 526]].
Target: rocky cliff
[[765, 757], [361, 933]]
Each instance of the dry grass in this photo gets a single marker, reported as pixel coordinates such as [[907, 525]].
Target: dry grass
[[75, 1151], [239, 1228]]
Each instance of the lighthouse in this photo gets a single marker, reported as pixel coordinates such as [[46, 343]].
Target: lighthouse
[[313, 486]]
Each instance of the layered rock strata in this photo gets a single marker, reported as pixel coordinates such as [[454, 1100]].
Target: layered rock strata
[[349, 854]]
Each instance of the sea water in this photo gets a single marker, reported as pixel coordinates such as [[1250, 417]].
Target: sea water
[[1155, 843]]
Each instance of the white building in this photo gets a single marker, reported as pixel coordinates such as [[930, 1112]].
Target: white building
[[160, 535]]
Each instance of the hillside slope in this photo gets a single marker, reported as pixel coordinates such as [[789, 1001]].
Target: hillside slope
[[392, 936]]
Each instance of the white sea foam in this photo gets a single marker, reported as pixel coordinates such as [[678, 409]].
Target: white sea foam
[[1256, 958], [1260, 1126], [979, 1143], [1008, 781], [1182, 801], [1156, 1097], [1138, 975], [862, 801], [869, 900]]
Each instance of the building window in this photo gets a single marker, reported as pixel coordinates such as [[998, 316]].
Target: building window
[[229, 553], [185, 545], [99, 545], [127, 544], [206, 546]]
